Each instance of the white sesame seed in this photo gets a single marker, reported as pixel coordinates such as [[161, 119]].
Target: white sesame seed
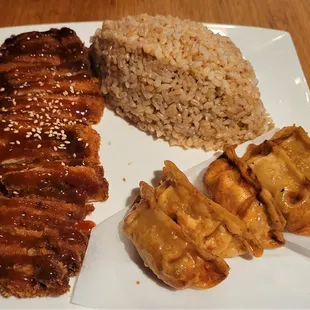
[[74, 155], [15, 192], [2, 89], [6, 129], [79, 139], [12, 143], [39, 145], [55, 148], [86, 145], [17, 142]]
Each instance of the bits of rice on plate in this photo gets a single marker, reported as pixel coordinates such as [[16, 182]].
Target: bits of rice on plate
[[177, 80]]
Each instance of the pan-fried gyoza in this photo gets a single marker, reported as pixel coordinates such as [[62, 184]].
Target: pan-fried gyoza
[[209, 225], [165, 250], [296, 143], [289, 187], [226, 186]]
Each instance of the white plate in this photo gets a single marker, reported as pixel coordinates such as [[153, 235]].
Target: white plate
[[284, 92]]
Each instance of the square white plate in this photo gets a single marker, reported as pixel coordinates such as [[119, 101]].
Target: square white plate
[[128, 153]]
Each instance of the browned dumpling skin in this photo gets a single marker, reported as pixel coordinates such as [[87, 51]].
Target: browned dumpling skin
[[165, 250], [210, 226], [226, 187], [288, 186], [296, 143]]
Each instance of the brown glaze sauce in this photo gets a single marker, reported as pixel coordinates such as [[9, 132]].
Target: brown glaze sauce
[[63, 143], [44, 268], [7, 238], [61, 184], [28, 220]]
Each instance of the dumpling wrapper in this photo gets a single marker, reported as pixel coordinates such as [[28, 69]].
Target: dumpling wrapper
[[226, 186], [288, 186], [296, 143], [210, 226], [165, 250]]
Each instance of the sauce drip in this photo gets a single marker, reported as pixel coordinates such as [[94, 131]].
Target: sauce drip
[[85, 226]]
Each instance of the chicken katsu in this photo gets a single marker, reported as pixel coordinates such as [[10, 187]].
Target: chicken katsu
[[50, 170]]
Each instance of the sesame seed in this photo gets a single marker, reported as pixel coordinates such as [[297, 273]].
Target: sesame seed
[[39, 145], [16, 131], [67, 142], [74, 155], [6, 129], [65, 93], [15, 192], [86, 145], [2, 89], [12, 143], [55, 148], [17, 142], [79, 139]]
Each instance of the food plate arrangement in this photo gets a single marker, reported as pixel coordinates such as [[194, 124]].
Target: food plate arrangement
[[130, 156]]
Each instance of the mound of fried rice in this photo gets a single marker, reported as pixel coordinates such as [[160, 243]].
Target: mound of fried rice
[[177, 80]]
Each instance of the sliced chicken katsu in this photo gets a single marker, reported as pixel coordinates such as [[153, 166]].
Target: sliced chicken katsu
[[49, 161], [51, 71], [70, 184]]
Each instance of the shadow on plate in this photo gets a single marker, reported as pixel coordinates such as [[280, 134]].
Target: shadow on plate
[[156, 178], [133, 196]]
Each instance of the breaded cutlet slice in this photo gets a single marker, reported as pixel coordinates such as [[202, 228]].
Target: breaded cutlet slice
[[21, 142], [74, 109], [41, 67], [70, 212], [38, 262], [41, 246], [54, 46], [66, 245], [70, 184], [32, 276]]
